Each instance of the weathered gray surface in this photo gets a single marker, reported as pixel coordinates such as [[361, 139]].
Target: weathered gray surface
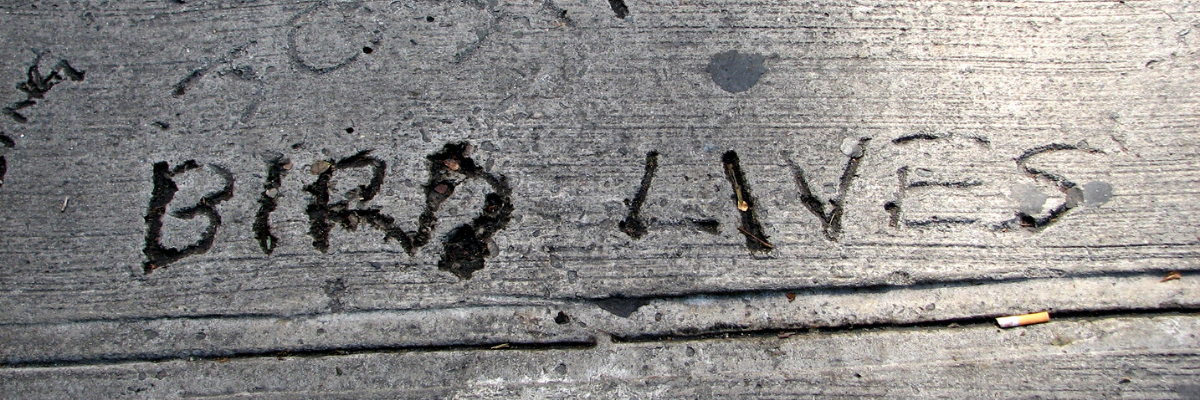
[[973, 110], [535, 323], [1140, 358]]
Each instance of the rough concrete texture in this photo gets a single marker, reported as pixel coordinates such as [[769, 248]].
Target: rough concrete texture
[[1138, 357], [594, 180]]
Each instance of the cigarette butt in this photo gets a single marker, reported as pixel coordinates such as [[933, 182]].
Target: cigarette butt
[[1022, 320]]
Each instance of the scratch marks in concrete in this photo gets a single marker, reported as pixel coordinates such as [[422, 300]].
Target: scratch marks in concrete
[[7, 142], [756, 238], [158, 255], [619, 7], [831, 222], [633, 224], [327, 37], [465, 246], [1091, 194], [36, 85], [559, 13], [277, 167]]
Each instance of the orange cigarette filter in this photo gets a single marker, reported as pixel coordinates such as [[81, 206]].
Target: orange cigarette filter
[[1021, 320]]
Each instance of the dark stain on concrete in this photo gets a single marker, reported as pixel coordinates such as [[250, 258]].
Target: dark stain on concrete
[[736, 72]]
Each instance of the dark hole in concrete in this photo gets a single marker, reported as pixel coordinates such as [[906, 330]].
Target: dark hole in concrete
[[621, 306], [710, 226]]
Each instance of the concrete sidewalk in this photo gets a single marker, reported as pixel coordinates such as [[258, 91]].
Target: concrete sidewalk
[[406, 185]]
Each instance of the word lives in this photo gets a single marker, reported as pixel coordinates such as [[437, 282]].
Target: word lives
[[829, 212]]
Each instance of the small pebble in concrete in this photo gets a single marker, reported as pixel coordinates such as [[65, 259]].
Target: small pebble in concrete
[[852, 147]]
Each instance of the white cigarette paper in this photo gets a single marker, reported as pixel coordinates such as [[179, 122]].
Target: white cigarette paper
[[1021, 320]]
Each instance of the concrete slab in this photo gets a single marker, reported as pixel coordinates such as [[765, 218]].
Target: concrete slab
[[238, 179], [1139, 357]]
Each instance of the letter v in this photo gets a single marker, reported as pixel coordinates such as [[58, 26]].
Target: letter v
[[831, 223]]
